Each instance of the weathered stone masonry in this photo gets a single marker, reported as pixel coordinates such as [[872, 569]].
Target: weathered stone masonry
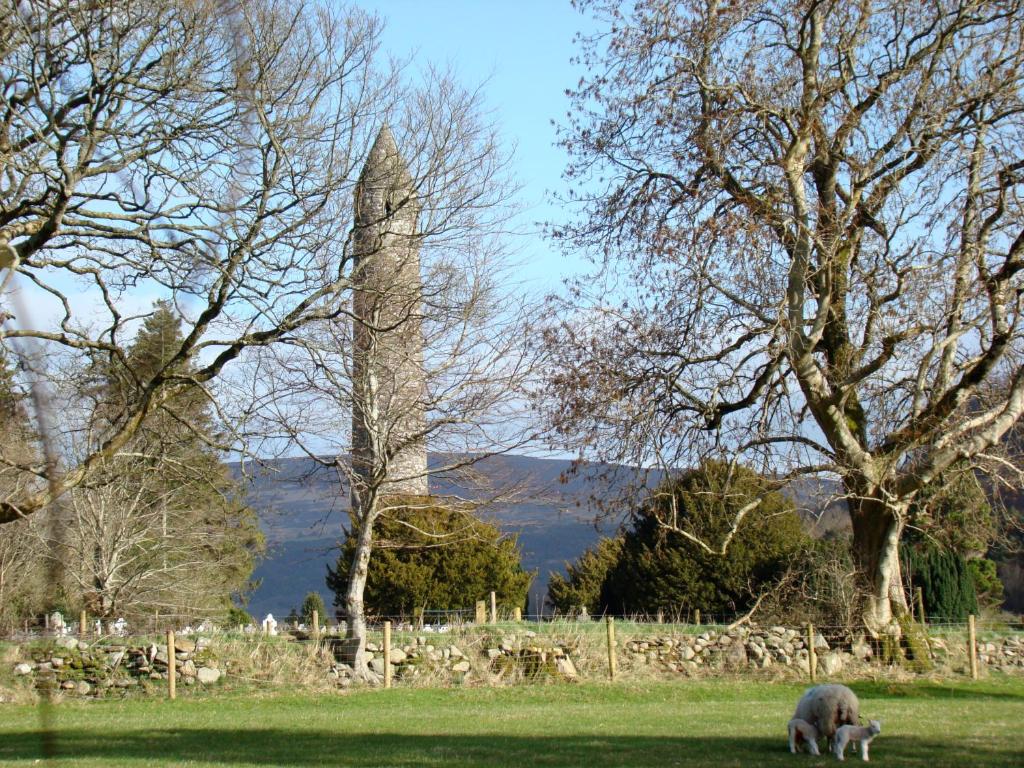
[[388, 449]]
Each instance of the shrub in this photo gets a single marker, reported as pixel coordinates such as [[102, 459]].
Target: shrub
[[313, 602], [429, 555], [661, 568]]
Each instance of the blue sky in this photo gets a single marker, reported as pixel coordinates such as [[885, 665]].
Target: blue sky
[[521, 51]]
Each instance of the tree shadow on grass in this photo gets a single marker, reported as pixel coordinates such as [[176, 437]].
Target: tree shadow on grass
[[936, 690], [260, 747]]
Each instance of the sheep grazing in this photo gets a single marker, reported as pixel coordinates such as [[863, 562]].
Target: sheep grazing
[[827, 707], [857, 733], [802, 733]]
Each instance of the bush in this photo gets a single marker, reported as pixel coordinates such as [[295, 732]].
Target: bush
[[237, 617], [428, 555], [945, 581], [819, 587], [661, 568], [313, 602]]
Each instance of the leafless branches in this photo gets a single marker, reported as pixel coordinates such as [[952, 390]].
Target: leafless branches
[[808, 224], [202, 152]]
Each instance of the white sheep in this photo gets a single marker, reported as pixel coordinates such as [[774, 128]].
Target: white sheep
[[856, 733], [827, 707], [802, 732]]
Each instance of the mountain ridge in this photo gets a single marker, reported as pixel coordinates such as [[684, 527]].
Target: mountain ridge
[[302, 508]]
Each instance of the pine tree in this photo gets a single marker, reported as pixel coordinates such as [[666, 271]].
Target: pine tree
[[944, 577], [313, 602], [580, 588], [952, 528]]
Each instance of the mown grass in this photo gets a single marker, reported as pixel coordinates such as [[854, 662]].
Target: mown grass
[[713, 723]]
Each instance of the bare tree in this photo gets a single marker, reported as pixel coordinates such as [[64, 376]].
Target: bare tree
[[133, 543], [21, 574], [434, 352], [199, 152], [807, 221]]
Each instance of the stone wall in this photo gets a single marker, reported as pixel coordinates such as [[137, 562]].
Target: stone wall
[[482, 656], [773, 651], [82, 669]]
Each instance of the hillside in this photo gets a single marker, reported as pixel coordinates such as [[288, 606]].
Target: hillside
[[302, 511]]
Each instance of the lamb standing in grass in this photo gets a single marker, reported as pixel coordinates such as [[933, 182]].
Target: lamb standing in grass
[[857, 733], [802, 732], [827, 707]]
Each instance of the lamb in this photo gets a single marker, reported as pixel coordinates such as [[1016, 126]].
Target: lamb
[[860, 733], [827, 707], [802, 732]]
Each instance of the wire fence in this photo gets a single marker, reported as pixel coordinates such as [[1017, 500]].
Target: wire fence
[[483, 614], [493, 646]]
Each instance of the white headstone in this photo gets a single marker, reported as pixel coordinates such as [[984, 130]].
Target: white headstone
[[269, 625]]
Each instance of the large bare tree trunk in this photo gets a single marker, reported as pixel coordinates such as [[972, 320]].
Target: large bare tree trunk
[[877, 525], [354, 647]]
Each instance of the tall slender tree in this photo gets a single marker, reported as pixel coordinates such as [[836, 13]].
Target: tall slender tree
[[21, 556], [162, 526]]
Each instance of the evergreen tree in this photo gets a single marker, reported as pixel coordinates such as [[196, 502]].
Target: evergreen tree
[[952, 528], [955, 514], [313, 602], [432, 556], [167, 504], [580, 588], [661, 569], [944, 577]]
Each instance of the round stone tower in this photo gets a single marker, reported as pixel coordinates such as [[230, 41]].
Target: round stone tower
[[389, 449]]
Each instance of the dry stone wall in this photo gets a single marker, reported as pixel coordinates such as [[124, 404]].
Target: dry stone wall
[[83, 669], [484, 656], [770, 651]]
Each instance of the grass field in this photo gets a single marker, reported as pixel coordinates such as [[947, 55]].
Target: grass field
[[714, 723]]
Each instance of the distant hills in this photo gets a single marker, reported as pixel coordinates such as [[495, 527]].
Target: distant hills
[[303, 510]]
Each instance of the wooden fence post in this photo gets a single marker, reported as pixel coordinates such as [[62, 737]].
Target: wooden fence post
[[812, 655], [517, 614], [610, 623], [387, 654], [82, 619], [316, 626], [494, 608], [696, 617], [972, 647], [172, 665], [481, 612]]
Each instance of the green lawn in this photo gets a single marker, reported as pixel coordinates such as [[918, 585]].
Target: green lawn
[[715, 723]]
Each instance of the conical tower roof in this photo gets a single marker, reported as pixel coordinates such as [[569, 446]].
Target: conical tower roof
[[384, 165]]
